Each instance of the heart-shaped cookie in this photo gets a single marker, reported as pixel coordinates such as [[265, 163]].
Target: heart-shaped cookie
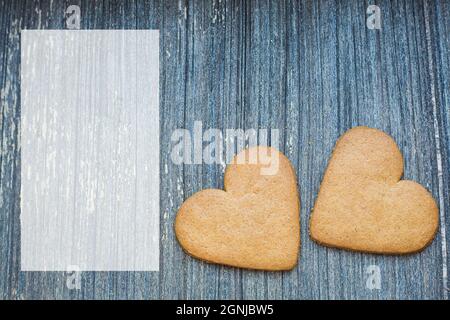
[[254, 223], [362, 203]]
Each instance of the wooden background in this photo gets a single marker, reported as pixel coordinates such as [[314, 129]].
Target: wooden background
[[310, 68]]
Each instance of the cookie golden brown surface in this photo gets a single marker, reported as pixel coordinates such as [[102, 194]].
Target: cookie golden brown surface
[[253, 223], [362, 203]]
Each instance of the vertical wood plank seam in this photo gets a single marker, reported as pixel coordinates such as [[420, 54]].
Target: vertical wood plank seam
[[3, 81], [438, 154]]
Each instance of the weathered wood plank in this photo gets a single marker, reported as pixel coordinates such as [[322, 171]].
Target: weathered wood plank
[[10, 149], [230, 35], [403, 71], [438, 39], [290, 281], [174, 35], [264, 107], [203, 57], [317, 128]]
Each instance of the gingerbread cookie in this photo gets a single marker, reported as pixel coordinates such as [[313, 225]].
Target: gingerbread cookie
[[362, 203], [253, 223]]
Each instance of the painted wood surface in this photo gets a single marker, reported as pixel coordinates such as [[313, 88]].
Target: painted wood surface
[[309, 68]]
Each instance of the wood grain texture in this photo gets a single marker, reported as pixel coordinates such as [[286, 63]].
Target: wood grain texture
[[309, 68], [438, 35]]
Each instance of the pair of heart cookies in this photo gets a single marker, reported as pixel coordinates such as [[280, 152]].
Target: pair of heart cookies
[[362, 205]]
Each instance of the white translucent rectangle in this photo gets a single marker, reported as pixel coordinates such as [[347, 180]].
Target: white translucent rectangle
[[90, 150]]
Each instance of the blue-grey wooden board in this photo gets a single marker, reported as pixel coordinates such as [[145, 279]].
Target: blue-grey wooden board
[[309, 68]]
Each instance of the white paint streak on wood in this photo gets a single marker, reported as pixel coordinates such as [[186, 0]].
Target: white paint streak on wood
[[438, 157]]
